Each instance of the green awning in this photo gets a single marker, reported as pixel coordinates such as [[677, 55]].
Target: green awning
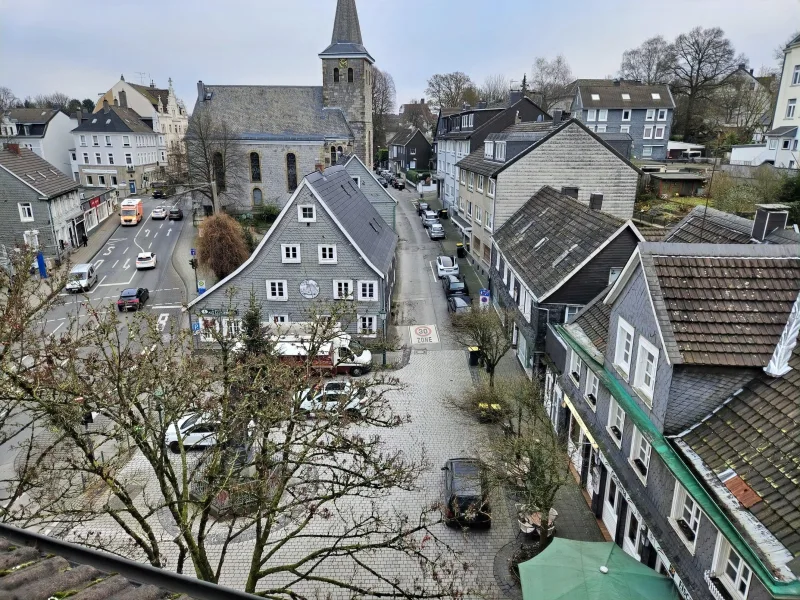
[[571, 570]]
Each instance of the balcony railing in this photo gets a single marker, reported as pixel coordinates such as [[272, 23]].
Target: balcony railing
[[716, 588]]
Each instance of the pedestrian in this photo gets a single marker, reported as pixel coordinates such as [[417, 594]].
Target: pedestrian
[[84, 240]]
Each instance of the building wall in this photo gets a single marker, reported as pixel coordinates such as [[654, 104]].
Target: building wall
[[355, 99], [571, 158], [12, 228], [469, 201], [57, 142], [383, 202], [637, 123]]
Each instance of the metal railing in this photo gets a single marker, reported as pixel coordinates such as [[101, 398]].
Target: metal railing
[[709, 576]]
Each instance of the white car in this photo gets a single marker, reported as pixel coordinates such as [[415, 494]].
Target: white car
[[446, 265], [159, 213], [146, 260], [331, 396], [195, 431]]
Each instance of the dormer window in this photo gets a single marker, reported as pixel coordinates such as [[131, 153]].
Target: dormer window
[[500, 151], [489, 150]]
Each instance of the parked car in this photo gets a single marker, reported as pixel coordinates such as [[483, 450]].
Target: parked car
[[175, 214], [196, 430], [158, 194], [145, 260], [458, 304], [383, 182], [423, 206], [446, 265], [330, 397], [132, 299], [429, 218], [399, 184], [436, 232], [454, 285], [158, 213], [466, 498]]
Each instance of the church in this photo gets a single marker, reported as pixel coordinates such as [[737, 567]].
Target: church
[[275, 135]]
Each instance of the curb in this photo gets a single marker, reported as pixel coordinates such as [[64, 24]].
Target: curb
[[175, 253]]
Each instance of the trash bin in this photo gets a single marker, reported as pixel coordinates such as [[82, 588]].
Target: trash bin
[[460, 250], [474, 356], [443, 213]]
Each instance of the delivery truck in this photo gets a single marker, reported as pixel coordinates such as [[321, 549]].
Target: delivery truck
[[132, 211]]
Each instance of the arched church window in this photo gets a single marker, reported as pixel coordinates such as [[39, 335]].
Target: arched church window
[[218, 165], [291, 171], [350, 75], [255, 167], [339, 152], [257, 197], [336, 75], [333, 155]]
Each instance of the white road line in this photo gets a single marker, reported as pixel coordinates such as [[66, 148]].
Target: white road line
[[98, 263], [154, 235], [169, 231], [52, 333], [114, 266], [162, 321], [124, 283], [162, 226], [146, 233], [98, 285], [150, 246], [433, 274], [126, 250], [127, 264], [166, 307]]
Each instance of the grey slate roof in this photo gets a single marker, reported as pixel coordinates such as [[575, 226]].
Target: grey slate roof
[[31, 115], [594, 320], [402, 137], [611, 95], [36, 172], [346, 38], [722, 228], [373, 236], [786, 130], [275, 112], [571, 232], [155, 95], [116, 120]]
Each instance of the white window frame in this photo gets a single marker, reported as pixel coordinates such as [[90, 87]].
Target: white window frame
[[277, 297], [500, 150], [796, 75], [647, 151], [126, 141], [613, 274], [662, 114], [337, 295], [108, 141], [471, 180], [492, 186], [365, 297], [655, 96], [595, 97], [25, 212], [648, 132], [286, 252], [602, 114], [722, 554], [488, 224], [624, 128], [791, 105], [601, 128], [626, 110], [620, 362], [650, 115], [95, 140], [592, 389], [357, 179], [327, 260], [209, 327], [128, 158], [301, 218], [626, 97], [461, 175], [684, 508], [232, 328], [641, 450], [488, 150], [591, 114], [279, 319], [570, 312], [575, 366], [83, 140], [616, 418], [773, 143], [659, 132], [642, 389], [373, 330]]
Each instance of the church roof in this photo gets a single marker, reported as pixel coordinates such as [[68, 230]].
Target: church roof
[[266, 112], [346, 39]]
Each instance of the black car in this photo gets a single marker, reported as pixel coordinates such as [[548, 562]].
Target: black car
[[454, 285], [383, 182], [399, 184], [466, 499], [422, 207], [158, 194], [459, 304], [175, 214], [133, 299]]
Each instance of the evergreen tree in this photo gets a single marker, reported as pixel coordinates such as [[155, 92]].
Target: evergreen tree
[[253, 332]]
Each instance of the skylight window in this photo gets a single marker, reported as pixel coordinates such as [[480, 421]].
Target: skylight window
[[564, 255], [626, 96], [94, 120], [540, 243], [656, 96], [595, 96], [108, 121]]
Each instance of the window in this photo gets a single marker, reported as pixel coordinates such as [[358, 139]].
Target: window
[[480, 183], [662, 114], [731, 570], [601, 129], [471, 181], [616, 421], [276, 290], [232, 328], [469, 208], [647, 151], [651, 114], [648, 132], [592, 385], [366, 325], [624, 347], [257, 197], [773, 144], [291, 172], [478, 214], [113, 180], [255, 167], [108, 140], [336, 75], [89, 180], [685, 516], [290, 253], [592, 115], [74, 156], [128, 159], [86, 158], [488, 150], [646, 363], [25, 211], [785, 144], [640, 455], [602, 115], [327, 254], [570, 312], [655, 96], [368, 291], [126, 141], [343, 289], [626, 114], [487, 220], [500, 150], [110, 158], [790, 106], [97, 159], [625, 129], [492, 184], [613, 273], [306, 214], [595, 97], [279, 318], [794, 145], [626, 96], [463, 174], [575, 364], [350, 75], [83, 140], [659, 134], [95, 141], [101, 179], [218, 164]]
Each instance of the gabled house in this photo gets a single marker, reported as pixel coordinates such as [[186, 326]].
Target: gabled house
[[745, 100], [45, 131], [510, 166], [409, 149], [618, 106], [378, 196], [711, 226], [551, 258], [328, 244], [680, 414]]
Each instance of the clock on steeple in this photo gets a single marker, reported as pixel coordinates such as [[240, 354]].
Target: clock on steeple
[[342, 63]]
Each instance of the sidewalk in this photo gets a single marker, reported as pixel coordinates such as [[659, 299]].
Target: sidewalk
[[97, 241], [181, 256]]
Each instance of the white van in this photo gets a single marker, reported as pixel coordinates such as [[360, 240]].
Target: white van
[[81, 278]]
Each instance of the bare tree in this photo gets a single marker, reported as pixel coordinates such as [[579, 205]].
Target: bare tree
[[704, 58], [451, 90], [488, 332], [56, 100], [741, 105], [221, 246], [494, 89], [653, 62], [550, 80], [779, 52], [7, 99], [383, 104]]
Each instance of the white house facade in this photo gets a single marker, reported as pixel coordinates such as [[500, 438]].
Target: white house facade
[[45, 131]]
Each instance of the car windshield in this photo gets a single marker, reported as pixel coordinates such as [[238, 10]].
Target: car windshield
[[145, 256], [466, 479], [174, 210], [77, 276], [128, 293], [189, 422], [446, 261], [456, 285], [128, 212]]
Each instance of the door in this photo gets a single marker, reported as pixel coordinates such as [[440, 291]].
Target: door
[[632, 541], [201, 435], [611, 505]]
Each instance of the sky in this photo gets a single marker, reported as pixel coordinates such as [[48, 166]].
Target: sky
[[49, 45]]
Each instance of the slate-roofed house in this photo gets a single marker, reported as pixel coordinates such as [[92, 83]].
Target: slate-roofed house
[[409, 149], [377, 195], [328, 244], [501, 175], [712, 226], [618, 106], [552, 257], [38, 204], [46, 131], [280, 133], [676, 390]]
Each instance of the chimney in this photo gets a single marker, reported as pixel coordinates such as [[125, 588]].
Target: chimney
[[201, 90], [152, 84], [422, 100], [319, 166], [514, 96], [557, 114], [123, 99], [483, 104], [596, 201], [106, 108], [742, 67], [616, 82], [751, 71], [769, 218], [517, 119], [14, 148]]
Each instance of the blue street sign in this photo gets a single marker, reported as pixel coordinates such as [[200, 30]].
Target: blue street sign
[[194, 251], [196, 326], [42, 267]]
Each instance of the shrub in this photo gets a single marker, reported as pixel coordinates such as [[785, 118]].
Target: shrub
[[221, 246], [267, 213], [412, 176]]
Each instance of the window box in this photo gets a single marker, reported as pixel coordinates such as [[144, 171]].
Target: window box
[[640, 466], [616, 432], [686, 530]]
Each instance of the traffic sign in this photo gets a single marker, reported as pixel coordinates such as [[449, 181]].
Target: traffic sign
[[484, 298], [195, 326], [194, 251], [201, 286]]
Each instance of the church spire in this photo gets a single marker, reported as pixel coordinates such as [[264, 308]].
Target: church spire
[[346, 28]]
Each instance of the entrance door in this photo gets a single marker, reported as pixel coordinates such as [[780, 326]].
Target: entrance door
[[631, 543], [611, 505]]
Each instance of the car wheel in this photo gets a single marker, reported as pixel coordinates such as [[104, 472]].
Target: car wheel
[[175, 447], [356, 371], [120, 308]]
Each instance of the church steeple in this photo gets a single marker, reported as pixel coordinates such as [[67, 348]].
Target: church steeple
[[346, 40]]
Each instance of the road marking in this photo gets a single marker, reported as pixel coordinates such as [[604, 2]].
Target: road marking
[[114, 266], [127, 264], [162, 226], [162, 321], [98, 263], [150, 246], [169, 230], [109, 250], [56, 329], [424, 334], [433, 273], [126, 250], [146, 233], [98, 285], [155, 234], [123, 284], [166, 306]]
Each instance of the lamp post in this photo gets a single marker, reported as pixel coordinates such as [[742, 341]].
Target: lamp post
[[382, 317]]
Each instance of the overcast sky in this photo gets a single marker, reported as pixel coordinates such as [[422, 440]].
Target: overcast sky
[[81, 50]]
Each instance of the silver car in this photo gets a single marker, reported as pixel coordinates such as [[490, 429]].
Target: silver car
[[436, 232], [429, 218]]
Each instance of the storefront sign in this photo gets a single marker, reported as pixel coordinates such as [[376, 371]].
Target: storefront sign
[[94, 202], [218, 312]]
